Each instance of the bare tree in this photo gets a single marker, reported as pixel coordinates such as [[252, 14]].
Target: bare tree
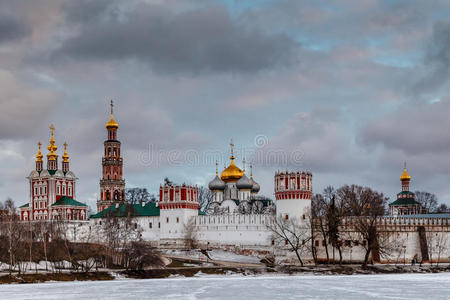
[[292, 234], [427, 200], [319, 209], [442, 208], [138, 196], [191, 233], [367, 206], [205, 198]]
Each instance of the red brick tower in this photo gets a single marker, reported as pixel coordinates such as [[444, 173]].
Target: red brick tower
[[112, 184]]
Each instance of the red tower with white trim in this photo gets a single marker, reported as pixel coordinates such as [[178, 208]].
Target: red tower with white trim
[[293, 193], [112, 184]]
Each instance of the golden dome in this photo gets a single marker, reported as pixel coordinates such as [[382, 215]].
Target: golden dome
[[405, 175], [65, 157], [232, 172], [112, 123], [39, 156], [52, 147]]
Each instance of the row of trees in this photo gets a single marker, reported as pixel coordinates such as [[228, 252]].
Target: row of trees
[[115, 243]]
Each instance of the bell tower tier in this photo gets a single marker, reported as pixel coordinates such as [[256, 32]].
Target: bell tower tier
[[112, 184]]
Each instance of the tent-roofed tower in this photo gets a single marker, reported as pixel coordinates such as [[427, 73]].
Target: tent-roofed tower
[[112, 184]]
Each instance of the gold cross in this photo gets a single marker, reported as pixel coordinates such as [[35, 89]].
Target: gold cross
[[39, 145], [232, 147], [65, 146], [112, 105], [217, 167], [52, 128]]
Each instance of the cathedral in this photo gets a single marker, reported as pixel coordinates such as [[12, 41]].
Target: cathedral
[[233, 192], [52, 190]]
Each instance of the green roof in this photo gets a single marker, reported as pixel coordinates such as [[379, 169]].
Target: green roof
[[67, 201], [25, 205], [404, 201], [136, 210], [51, 172]]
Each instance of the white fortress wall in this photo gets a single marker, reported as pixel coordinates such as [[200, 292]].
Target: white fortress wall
[[234, 229]]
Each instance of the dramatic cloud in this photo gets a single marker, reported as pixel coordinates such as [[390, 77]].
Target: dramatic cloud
[[348, 90], [192, 41], [437, 59]]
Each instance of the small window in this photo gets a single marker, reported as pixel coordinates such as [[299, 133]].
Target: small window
[[273, 242], [323, 243], [286, 217], [135, 225], [316, 243], [167, 220], [304, 217], [178, 220], [286, 242], [150, 225], [159, 225]]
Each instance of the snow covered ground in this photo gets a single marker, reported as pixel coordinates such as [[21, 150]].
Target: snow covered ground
[[398, 286]]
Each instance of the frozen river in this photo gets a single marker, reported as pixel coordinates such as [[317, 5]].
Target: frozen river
[[399, 286]]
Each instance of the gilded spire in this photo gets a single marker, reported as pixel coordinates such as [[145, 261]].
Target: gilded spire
[[39, 155], [65, 156], [52, 147], [251, 171], [112, 123], [405, 175], [232, 149]]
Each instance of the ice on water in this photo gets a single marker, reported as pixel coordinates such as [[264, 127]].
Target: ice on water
[[398, 286]]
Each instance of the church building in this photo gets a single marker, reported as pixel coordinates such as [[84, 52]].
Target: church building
[[52, 190]]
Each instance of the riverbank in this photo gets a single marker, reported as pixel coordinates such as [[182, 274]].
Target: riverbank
[[199, 271]]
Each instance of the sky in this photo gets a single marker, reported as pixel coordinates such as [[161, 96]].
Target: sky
[[348, 90]]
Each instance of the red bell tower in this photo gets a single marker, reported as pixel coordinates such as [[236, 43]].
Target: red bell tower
[[112, 184]]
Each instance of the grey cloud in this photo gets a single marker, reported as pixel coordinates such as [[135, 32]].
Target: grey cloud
[[437, 59], [315, 140], [415, 129], [11, 28], [23, 109], [192, 41]]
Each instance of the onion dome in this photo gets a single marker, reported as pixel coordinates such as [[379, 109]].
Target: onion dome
[[232, 172], [52, 147], [244, 183], [405, 176], [65, 157], [216, 184], [39, 155], [255, 187], [112, 123]]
